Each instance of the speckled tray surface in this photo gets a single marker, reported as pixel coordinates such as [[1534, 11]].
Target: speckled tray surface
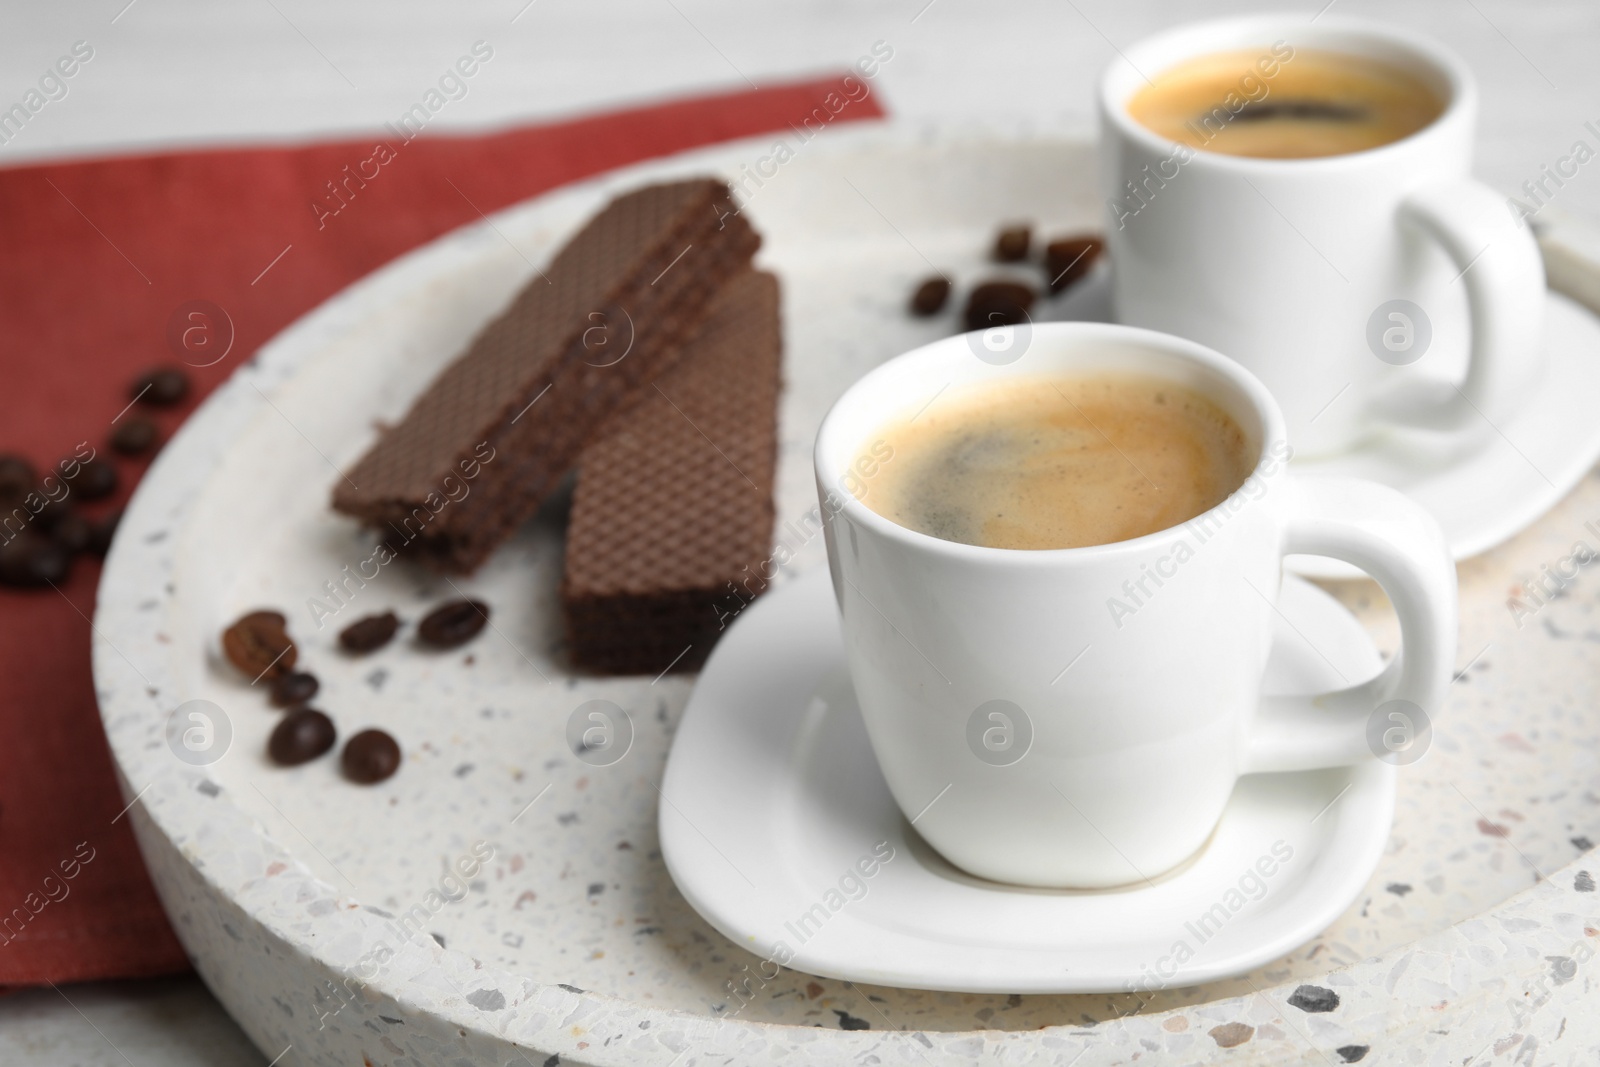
[[289, 887]]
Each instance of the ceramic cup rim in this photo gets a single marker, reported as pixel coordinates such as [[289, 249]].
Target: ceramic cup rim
[[1222, 379], [1448, 73]]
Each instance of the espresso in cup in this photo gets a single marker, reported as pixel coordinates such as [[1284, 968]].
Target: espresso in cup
[[1313, 103], [1039, 463]]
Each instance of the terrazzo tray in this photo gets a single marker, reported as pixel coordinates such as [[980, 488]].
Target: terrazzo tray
[[333, 921]]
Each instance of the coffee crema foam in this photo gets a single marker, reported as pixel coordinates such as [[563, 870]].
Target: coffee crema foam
[[1059, 462], [1317, 103]]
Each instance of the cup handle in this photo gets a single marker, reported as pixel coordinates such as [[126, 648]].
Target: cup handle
[[1394, 540], [1503, 271]]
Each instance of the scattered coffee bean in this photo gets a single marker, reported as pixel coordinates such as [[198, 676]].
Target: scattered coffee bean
[[930, 296], [31, 560], [293, 688], [17, 479], [998, 303], [1069, 258], [1011, 244], [370, 756], [93, 479], [303, 734], [160, 386], [453, 624], [369, 634], [103, 531], [135, 436], [51, 509], [73, 532], [259, 645]]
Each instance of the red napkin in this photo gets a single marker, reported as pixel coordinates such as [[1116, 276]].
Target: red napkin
[[96, 258]]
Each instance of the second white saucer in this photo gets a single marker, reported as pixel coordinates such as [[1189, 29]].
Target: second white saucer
[[1486, 490], [773, 811]]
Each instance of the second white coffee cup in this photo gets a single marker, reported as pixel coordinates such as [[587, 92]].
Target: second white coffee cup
[[1338, 280]]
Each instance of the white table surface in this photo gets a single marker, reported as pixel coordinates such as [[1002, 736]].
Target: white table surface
[[169, 73]]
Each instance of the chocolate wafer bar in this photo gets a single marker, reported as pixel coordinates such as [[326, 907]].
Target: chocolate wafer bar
[[672, 515], [499, 428]]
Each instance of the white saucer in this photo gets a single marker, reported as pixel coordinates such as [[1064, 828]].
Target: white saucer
[[1485, 488], [772, 796], [1514, 472]]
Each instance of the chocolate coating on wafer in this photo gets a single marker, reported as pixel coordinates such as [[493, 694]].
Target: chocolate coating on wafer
[[499, 428]]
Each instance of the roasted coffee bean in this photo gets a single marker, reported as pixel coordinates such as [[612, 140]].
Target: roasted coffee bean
[[303, 734], [930, 296], [17, 479], [31, 560], [369, 634], [103, 531], [1069, 258], [73, 532], [92, 479], [370, 756], [998, 303], [452, 624], [50, 510], [135, 436], [259, 645], [1011, 244], [160, 386], [293, 688]]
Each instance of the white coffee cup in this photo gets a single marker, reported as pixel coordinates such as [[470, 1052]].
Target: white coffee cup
[[1382, 287], [1124, 719]]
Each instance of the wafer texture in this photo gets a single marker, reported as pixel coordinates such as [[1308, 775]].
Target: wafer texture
[[672, 517], [499, 428]]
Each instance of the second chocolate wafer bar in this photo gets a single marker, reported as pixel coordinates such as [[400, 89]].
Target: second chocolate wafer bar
[[515, 408], [672, 516]]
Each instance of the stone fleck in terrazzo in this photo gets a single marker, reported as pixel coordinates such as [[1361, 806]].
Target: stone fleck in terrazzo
[[1229, 1035], [1312, 998]]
